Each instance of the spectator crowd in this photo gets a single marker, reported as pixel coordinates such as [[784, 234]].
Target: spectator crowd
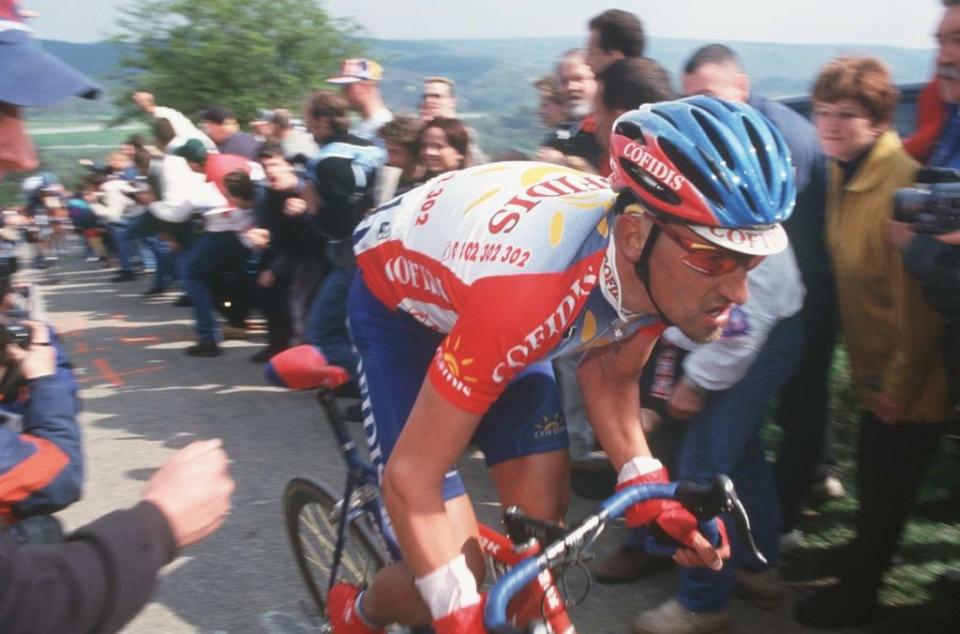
[[240, 221]]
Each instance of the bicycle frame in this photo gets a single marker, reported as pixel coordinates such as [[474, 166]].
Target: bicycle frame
[[362, 492], [541, 600]]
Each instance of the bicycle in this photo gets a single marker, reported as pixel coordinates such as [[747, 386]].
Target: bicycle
[[47, 231], [349, 537]]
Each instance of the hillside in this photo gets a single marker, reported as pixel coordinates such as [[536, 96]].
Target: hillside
[[494, 76], [775, 68]]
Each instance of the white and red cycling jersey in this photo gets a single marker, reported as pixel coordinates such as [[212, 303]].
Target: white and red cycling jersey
[[512, 260]]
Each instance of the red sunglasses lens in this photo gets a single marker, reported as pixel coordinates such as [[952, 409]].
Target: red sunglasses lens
[[720, 262]]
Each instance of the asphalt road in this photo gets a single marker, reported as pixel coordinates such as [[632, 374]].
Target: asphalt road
[[143, 399]]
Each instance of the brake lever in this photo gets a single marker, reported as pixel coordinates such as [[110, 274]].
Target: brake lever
[[707, 502], [742, 521]]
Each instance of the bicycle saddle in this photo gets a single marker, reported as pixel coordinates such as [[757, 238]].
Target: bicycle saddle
[[304, 368]]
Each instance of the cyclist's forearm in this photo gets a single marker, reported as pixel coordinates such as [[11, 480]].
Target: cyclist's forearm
[[613, 409], [424, 531], [432, 440]]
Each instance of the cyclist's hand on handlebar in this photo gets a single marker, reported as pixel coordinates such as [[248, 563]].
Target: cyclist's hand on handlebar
[[674, 520], [643, 470], [682, 526]]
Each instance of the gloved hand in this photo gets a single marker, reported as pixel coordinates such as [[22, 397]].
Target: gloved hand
[[670, 515]]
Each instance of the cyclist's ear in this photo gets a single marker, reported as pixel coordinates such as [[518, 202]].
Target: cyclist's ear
[[629, 234]]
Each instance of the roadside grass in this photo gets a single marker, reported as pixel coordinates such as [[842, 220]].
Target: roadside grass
[[927, 549]]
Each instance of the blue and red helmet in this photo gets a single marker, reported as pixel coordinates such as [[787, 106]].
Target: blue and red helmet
[[719, 167]]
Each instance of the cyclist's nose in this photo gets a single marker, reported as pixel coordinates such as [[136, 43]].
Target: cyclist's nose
[[733, 286]]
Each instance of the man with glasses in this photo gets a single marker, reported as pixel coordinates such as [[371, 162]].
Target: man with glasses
[[439, 99], [471, 283]]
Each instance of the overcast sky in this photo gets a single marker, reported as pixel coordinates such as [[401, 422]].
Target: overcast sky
[[905, 23]]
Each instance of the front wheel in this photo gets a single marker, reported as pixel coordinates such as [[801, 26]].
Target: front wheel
[[313, 515]]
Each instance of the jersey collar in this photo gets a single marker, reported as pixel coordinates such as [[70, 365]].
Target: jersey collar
[[610, 284]]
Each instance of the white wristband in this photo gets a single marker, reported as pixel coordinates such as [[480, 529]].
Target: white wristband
[[448, 588], [636, 467]]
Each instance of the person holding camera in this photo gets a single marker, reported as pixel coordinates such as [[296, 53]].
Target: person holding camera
[[932, 255], [41, 461], [103, 573], [893, 337]]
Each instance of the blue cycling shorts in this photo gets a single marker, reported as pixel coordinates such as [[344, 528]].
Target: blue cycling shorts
[[395, 353]]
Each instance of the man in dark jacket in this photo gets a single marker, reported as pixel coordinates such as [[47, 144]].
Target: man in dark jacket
[[341, 193]]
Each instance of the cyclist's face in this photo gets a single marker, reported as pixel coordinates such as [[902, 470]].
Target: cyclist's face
[[698, 304]]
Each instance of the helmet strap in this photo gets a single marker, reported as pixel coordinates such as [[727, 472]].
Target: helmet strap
[[642, 269]]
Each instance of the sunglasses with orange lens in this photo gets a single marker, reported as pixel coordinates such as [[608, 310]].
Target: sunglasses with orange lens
[[706, 258]]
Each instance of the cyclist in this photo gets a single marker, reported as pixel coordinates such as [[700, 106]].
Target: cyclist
[[471, 281], [46, 212]]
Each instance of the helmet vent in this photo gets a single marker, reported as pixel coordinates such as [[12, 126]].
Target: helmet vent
[[665, 117], [648, 183], [719, 143], [630, 130], [691, 172], [760, 149]]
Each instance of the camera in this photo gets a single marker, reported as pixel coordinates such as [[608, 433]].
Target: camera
[[14, 332], [933, 205]]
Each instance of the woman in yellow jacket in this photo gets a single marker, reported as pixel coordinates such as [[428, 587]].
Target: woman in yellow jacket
[[893, 338]]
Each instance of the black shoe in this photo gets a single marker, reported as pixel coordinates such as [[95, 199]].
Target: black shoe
[[154, 290], [124, 276], [183, 301], [836, 607], [204, 349]]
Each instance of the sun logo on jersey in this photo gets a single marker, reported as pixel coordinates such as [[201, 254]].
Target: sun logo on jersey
[[454, 368]]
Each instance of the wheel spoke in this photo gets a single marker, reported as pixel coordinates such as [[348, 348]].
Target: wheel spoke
[[313, 535]]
